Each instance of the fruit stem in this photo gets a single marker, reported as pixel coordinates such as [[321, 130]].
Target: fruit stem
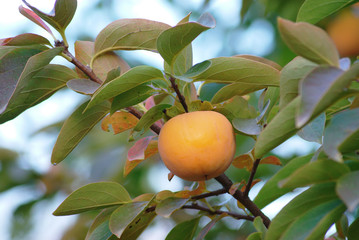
[[245, 200], [181, 98]]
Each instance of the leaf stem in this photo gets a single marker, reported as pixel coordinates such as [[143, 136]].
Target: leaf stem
[[64, 39], [245, 200], [181, 98], [251, 177]]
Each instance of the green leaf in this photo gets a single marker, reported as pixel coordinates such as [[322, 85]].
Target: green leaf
[[259, 225], [198, 105], [190, 92], [261, 60], [132, 78], [270, 191], [173, 40], [102, 65], [61, 16], [353, 231], [300, 205], [267, 101], [246, 4], [185, 19], [247, 126], [255, 236], [129, 34], [184, 60], [99, 229], [131, 97], [25, 39], [13, 61], [83, 86], [93, 196], [342, 134], [315, 223], [319, 171], [239, 70], [313, 132], [234, 89], [150, 117], [75, 128], [347, 189], [279, 129], [167, 206], [37, 89], [194, 71], [129, 220], [309, 41], [208, 227], [111, 75], [237, 107], [6, 49], [182, 64], [33, 86], [313, 11], [290, 76], [208, 89], [316, 91], [184, 230]]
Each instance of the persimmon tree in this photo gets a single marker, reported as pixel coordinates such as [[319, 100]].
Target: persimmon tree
[[314, 96]]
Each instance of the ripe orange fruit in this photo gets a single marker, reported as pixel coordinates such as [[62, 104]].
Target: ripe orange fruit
[[197, 146], [344, 30]]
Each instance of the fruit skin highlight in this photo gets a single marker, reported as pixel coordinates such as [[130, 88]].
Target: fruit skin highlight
[[197, 146]]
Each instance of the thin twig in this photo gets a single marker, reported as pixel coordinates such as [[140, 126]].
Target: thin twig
[[251, 177], [227, 183], [181, 98], [209, 194], [217, 212]]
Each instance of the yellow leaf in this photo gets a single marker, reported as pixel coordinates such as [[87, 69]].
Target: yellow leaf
[[243, 161], [120, 121]]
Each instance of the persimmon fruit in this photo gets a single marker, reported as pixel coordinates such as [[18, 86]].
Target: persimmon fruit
[[198, 145], [344, 30]]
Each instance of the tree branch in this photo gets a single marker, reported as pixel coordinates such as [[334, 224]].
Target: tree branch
[[209, 194], [251, 177], [86, 70], [181, 98], [217, 212], [227, 183]]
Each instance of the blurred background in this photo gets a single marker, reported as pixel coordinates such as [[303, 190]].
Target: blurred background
[[31, 188]]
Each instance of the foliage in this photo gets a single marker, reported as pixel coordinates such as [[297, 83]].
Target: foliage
[[313, 96]]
